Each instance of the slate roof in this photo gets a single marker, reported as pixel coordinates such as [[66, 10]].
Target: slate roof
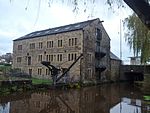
[[113, 56], [56, 30]]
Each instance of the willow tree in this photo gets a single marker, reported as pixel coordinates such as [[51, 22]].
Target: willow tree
[[75, 4], [137, 36]]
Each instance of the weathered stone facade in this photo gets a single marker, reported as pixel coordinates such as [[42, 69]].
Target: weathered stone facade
[[62, 48], [115, 67]]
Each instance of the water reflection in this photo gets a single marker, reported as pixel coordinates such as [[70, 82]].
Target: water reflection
[[127, 106], [4, 107], [114, 98]]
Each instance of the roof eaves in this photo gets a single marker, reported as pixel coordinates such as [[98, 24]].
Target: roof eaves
[[113, 56], [18, 39]]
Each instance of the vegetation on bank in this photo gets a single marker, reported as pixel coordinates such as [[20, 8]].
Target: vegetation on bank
[[12, 88], [7, 73], [35, 81], [144, 85], [10, 75], [37, 85], [5, 68]]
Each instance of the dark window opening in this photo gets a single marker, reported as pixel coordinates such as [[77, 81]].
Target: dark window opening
[[98, 34], [29, 60]]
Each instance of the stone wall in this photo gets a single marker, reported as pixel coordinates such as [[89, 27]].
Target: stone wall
[[134, 68], [105, 44], [83, 70], [89, 49], [115, 70], [44, 51]]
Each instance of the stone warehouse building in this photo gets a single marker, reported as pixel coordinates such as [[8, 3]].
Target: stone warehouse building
[[61, 46]]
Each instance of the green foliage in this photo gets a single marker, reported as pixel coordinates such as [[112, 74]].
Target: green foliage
[[77, 85], [138, 37], [5, 68], [147, 98], [4, 91]]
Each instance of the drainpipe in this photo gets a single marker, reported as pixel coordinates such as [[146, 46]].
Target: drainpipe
[[82, 60], [81, 78]]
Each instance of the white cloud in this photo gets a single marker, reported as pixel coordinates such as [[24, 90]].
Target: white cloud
[[16, 21]]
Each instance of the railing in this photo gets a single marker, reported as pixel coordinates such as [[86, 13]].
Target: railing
[[100, 52], [100, 49], [100, 66], [99, 63]]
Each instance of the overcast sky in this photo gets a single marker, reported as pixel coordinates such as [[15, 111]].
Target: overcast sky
[[20, 17]]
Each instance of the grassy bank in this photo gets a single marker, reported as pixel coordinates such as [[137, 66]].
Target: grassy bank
[[36, 81], [12, 88]]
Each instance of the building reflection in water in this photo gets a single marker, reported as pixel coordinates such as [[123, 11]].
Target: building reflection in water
[[127, 105], [5, 107], [101, 99]]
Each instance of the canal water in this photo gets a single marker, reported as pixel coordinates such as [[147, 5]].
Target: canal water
[[110, 98]]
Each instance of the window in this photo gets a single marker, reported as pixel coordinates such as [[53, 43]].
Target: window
[[98, 34], [39, 58], [77, 25], [89, 72], [75, 41], [69, 42], [39, 71], [59, 57], [50, 58], [97, 43], [29, 60], [72, 56], [47, 72], [32, 46], [50, 44], [40, 45], [30, 72], [69, 57], [19, 47], [72, 41], [56, 29], [19, 59], [89, 57], [67, 27], [59, 43], [75, 56], [47, 57]]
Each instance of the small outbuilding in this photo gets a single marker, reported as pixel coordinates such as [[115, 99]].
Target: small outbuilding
[[115, 67]]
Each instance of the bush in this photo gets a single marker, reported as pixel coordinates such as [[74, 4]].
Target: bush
[[5, 68]]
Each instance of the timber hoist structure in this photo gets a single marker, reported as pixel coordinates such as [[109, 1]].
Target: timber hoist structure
[[54, 70]]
